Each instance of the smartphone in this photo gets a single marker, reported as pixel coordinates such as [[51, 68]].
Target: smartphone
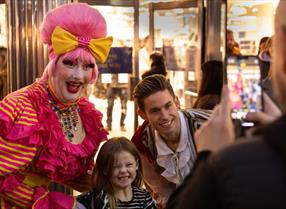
[[243, 78]]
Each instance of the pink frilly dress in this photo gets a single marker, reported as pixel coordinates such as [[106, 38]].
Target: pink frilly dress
[[34, 150]]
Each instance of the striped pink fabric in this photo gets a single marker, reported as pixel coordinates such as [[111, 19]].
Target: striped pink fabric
[[19, 109], [27, 123], [5, 205], [14, 157]]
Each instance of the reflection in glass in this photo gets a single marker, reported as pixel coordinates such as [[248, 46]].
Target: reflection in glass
[[176, 34]]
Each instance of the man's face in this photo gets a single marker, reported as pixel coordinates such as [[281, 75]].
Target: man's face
[[279, 66], [70, 78], [161, 110]]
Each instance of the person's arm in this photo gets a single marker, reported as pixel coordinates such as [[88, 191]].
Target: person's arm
[[16, 155], [156, 184]]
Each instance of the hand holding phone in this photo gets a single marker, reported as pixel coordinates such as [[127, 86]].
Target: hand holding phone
[[243, 78]]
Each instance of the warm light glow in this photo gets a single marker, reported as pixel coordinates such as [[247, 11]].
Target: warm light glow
[[122, 17], [238, 10], [275, 3], [3, 37]]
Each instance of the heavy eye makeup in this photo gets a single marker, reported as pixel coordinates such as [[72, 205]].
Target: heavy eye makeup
[[89, 66], [68, 62]]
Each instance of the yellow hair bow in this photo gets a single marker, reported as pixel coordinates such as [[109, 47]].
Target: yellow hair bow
[[63, 41]]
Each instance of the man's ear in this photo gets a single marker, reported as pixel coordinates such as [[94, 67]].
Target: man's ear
[[177, 102], [142, 114]]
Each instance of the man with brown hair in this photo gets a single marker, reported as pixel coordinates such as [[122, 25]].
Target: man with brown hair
[[165, 140]]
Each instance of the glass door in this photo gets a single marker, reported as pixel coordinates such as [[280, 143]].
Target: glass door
[[176, 30], [120, 72]]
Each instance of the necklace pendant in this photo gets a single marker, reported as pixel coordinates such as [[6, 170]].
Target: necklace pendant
[[70, 135], [68, 117]]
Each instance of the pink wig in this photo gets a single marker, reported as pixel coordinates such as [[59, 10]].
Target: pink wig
[[80, 20]]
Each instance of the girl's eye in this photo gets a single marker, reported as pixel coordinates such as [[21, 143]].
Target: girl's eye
[[68, 62]]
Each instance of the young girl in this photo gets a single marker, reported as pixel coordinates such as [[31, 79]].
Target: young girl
[[117, 178]]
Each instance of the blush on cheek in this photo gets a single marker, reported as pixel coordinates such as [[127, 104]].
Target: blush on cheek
[[64, 74]]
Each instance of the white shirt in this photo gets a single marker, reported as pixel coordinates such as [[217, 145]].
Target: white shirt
[[177, 164]]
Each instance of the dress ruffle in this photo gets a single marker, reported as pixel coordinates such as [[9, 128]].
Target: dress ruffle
[[72, 160], [9, 182], [49, 200], [57, 158]]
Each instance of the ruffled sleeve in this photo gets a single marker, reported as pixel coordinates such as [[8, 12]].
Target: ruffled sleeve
[[29, 128], [18, 121]]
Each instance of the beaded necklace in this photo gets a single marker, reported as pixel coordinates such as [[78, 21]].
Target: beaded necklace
[[67, 116]]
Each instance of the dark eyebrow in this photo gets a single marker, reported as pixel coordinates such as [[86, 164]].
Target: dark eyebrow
[[168, 103], [154, 109], [91, 65], [159, 108]]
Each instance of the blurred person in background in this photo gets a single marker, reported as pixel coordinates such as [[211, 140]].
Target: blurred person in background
[[250, 173], [157, 65], [232, 46], [266, 56], [264, 64], [115, 89], [144, 55], [210, 86]]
